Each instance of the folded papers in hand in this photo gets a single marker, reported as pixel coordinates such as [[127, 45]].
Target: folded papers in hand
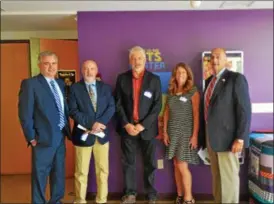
[[203, 154], [85, 135]]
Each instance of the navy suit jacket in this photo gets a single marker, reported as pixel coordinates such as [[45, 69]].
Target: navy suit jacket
[[82, 111], [149, 107], [229, 112], [38, 111]]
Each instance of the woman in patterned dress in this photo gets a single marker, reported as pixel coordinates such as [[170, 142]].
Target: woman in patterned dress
[[181, 126]]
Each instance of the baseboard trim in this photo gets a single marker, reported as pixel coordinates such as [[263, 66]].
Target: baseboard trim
[[163, 196]]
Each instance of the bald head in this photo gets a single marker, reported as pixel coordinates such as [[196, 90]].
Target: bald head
[[89, 70], [218, 59], [218, 50]]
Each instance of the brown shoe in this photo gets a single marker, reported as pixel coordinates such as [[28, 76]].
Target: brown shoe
[[128, 199]]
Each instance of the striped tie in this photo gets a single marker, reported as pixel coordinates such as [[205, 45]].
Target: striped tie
[[58, 103], [92, 97], [208, 96]]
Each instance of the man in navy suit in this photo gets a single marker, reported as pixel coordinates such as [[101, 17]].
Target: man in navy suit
[[91, 107], [226, 124], [43, 114]]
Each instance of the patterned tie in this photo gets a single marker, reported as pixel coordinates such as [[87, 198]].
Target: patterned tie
[[208, 96], [59, 106], [92, 96]]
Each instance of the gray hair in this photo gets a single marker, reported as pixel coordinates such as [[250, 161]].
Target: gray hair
[[46, 53], [137, 49]]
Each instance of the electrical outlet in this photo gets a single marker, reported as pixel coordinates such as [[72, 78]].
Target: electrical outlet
[[160, 163]]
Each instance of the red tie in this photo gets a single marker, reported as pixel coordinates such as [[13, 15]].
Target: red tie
[[208, 95]]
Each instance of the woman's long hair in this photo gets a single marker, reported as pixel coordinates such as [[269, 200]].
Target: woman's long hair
[[173, 85]]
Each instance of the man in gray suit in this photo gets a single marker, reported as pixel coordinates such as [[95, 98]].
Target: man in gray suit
[[226, 123]]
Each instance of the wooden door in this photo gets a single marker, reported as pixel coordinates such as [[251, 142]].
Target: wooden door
[[15, 156]]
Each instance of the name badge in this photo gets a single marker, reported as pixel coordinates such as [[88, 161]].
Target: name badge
[[148, 94], [184, 99], [84, 137]]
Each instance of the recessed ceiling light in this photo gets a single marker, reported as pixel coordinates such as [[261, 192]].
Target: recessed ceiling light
[[195, 4]]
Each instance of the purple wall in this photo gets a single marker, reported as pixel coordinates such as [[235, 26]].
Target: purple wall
[[180, 36]]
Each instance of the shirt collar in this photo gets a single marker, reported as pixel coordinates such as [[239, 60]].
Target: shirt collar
[[141, 75], [220, 73], [91, 83], [48, 79]]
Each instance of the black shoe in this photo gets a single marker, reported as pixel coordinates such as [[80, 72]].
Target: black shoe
[[179, 200], [152, 201], [128, 199], [192, 201]]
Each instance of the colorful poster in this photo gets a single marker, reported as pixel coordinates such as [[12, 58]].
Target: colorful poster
[[235, 61], [69, 77], [164, 77], [156, 64]]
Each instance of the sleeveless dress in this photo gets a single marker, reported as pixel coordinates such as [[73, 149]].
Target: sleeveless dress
[[180, 127]]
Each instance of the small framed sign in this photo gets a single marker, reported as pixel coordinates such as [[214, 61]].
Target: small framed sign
[[69, 78]]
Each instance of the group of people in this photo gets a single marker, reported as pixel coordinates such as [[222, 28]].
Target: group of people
[[218, 120]]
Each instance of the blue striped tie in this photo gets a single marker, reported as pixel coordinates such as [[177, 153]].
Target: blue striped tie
[[58, 103]]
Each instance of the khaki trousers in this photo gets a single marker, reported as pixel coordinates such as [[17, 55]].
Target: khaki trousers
[[101, 158], [225, 170]]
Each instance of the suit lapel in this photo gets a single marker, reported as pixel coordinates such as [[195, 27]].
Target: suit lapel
[[207, 83], [143, 88], [129, 84], [99, 92], [219, 86], [45, 84]]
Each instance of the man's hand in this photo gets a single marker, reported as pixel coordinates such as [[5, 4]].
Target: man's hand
[[131, 130], [237, 146], [98, 127], [33, 143], [139, 127]]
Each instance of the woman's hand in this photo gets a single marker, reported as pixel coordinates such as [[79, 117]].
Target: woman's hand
[[193, 143], [166, 139]]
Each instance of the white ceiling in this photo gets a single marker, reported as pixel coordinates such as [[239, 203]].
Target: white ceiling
[[60, 15]]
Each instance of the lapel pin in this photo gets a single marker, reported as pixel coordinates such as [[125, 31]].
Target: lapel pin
[[223, 80]]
